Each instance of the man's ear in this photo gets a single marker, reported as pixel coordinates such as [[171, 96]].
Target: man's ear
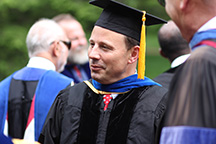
[[56, 49], [162, 53], [183, 4], [134, 54]]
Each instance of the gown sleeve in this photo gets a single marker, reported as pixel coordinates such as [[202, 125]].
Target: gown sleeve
[[191, 110], [51, 131], [192, 93]]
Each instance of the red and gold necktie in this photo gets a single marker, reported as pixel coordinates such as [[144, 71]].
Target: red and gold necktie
[[107, 98]]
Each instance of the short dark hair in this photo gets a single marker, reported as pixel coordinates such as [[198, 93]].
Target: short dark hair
[[130, 42], [171, 41]]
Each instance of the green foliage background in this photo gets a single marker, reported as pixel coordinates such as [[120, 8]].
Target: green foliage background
[[17, 16]]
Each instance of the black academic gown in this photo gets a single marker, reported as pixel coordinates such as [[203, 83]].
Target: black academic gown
[[165, 78], [192, 93], [77, 116], [19, 103]]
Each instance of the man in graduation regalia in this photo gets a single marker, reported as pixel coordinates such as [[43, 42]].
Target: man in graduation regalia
[[27, 95], [191, 115], [115, 106]]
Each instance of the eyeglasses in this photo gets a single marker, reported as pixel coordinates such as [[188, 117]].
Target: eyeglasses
[[67, 43], [162, 2]]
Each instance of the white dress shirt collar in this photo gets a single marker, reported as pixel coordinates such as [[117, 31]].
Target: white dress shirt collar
[[42, 63], [211, 24], [114, 95], [179, 60]]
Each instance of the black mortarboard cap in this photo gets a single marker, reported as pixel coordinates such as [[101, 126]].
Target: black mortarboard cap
[[123, 19]]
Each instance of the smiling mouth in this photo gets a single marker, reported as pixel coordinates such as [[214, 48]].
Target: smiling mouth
[[96, 67]]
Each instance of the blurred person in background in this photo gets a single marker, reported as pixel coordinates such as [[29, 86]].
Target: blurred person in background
[[77, 64], [191, 112], [172, 47], [27, 94]]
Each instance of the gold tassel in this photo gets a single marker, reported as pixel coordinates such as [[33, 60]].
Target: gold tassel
[[142, 51]]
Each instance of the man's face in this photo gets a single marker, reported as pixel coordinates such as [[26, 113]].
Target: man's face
[[108, 55], [79, 49], [172, 8], [62, 59]]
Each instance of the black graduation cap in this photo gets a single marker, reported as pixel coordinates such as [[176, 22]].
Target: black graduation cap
[[128, 21], [123, 19]]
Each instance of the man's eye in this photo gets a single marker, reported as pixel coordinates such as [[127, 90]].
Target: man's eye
[[74, 39], [91, 44], [104, 46]]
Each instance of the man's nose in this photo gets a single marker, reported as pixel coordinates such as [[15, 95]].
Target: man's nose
[[94, 52]]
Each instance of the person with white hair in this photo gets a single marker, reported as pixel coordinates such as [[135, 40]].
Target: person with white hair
[[27, 94]]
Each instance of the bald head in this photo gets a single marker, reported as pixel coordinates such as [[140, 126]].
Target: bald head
[[63, 17], [169, 30], [171, 42], [190, 15]]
